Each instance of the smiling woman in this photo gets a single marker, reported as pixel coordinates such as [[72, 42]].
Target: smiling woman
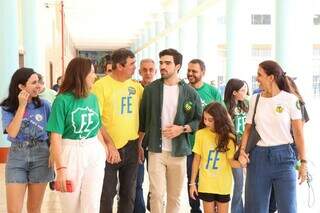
[[77, 146], [24, 117], [272, 161]]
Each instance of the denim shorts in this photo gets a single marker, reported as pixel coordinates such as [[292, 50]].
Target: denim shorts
[[28, 163]]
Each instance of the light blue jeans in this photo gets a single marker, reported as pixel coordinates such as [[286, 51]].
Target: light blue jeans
[[271, 166], [237, 202]]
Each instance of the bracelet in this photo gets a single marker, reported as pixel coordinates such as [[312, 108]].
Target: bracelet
[[185, 128], [303, 161], [62, 167], [192, 184]]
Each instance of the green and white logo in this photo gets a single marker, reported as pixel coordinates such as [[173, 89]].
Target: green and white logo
[[84, 121], [187, 106]]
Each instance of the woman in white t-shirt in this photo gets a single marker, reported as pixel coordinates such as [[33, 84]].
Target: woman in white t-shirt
[[272, 161]]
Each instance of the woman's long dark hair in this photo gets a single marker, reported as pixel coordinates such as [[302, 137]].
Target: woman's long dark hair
[[294, 89], [223, 125], [273, 68], [21, 76], [234, 84]]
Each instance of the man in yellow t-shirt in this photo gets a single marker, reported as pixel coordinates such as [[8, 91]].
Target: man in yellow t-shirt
[[119, 99]]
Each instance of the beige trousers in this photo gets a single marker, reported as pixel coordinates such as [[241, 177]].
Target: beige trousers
[[166, 176]]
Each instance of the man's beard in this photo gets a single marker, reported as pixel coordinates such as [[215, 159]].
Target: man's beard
[[194, 80]]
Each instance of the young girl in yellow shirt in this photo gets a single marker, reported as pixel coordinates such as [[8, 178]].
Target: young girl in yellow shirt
[[214, 151]]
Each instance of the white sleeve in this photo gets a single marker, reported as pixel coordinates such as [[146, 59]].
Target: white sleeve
[[295, 108], [251, 109]]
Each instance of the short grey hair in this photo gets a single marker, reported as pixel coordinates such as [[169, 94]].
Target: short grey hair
[[145, 60]]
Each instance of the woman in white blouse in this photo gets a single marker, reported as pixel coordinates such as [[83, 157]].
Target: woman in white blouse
[[272, 162]]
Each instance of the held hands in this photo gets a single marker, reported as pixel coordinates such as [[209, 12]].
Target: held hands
[[114, 156], [193, 191], [243, 158], [23, 98], [172, 131]]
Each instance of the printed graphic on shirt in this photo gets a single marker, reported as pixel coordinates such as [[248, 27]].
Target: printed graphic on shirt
[[131, 91], [203, 103], [84, 121], [279, 108], [32, 126], [213, 158], [127, 101], [239, 123], [38, 117]]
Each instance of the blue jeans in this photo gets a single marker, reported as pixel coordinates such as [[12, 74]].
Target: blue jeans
[[237, 202], [272, 204], [194, 204], [139, 205], [271, 167]]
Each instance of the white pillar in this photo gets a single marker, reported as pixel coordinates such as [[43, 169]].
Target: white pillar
[[172, 39], [187, 35], [238, 46], [9, 51], [32, 41], [293, 22]]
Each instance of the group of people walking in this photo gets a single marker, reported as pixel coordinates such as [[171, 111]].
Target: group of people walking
[[94, 139]]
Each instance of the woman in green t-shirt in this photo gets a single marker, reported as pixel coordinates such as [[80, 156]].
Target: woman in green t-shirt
[[78, 149], [234, 98]]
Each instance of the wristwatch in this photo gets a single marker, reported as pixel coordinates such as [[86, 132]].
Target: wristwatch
[[185, 128]]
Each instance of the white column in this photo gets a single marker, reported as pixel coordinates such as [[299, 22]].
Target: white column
[[238, 46], [210, 35], [187, 35], [159, 28], [9, 51], [32, 41], [294, 39], [152, 34], [172, 39], [145, 38]]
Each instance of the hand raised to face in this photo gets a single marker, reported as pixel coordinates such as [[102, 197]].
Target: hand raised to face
[[23, 98]]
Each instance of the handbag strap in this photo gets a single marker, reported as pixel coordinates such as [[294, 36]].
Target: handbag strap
[[255, 109]]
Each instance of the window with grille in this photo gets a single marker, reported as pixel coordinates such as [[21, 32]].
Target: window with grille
[[254, 84], [316, 85], [316, 52], [260, 19], [316, 19], [263, 51]]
